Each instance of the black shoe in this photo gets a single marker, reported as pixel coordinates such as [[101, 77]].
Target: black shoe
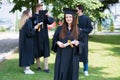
[[39, 69], [47, 70]]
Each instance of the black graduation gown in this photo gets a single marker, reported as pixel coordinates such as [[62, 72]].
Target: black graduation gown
[[86, 26], [34, 19], [41, 40], [26, 34], [67, 59]]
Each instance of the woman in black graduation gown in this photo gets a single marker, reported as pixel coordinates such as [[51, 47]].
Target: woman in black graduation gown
[[26, 56], [66, 41]]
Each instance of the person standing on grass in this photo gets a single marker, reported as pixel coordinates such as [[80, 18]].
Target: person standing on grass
[[26, 34], [41, 41], [66, 42], [84, 24]]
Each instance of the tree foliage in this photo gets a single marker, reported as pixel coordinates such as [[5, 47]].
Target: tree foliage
[[0, 3], [19, 4], [93, 8]]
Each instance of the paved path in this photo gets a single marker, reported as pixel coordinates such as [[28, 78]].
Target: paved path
[[105, 33], [8, 42]]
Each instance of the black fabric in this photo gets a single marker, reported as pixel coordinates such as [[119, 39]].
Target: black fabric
[[85, 27], [26, 34], [41, 41], [42, 15], [69, 11], [67, 59], [81, 46]]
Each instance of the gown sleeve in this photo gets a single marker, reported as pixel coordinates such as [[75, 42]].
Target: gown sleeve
[[29, 30], [55, 39], [89, 27], [49, 20]]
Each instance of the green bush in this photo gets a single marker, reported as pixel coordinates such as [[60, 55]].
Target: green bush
[[2, 29], [112, 29], [112, 26], [99, 27]]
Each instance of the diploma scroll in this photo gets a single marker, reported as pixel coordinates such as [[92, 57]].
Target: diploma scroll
[[69, 42]]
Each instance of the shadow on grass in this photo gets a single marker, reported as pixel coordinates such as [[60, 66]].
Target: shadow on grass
[[115, 50], [9, 70], [107, 39], [96, 74]]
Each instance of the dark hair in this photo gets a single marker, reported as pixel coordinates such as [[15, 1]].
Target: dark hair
[[74, 29], [80, 7]]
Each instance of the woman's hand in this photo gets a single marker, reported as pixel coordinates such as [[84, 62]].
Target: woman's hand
[[36, 26], [60, 44], [75, 42]]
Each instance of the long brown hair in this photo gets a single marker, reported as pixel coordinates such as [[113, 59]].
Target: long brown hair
[[74, 28]]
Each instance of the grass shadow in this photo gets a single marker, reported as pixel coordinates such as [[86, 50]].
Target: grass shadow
[[107, 39], [115, 50], [9, 70], [96, 73]]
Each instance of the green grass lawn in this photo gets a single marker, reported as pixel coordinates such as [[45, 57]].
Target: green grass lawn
[[104, 62]]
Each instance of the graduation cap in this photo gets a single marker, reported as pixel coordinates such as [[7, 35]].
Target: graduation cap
[[43, 12], [69, 11], [42, 15]]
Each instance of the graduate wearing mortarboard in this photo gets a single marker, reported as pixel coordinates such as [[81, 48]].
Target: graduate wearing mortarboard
[[66, 42]]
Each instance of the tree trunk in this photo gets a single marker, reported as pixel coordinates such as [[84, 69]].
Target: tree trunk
[[34, 4]]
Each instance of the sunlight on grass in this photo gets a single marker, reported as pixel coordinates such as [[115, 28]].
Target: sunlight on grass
[[101, 55], [104, 63]]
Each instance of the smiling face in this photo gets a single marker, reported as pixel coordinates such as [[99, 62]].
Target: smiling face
[[69, 18]]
